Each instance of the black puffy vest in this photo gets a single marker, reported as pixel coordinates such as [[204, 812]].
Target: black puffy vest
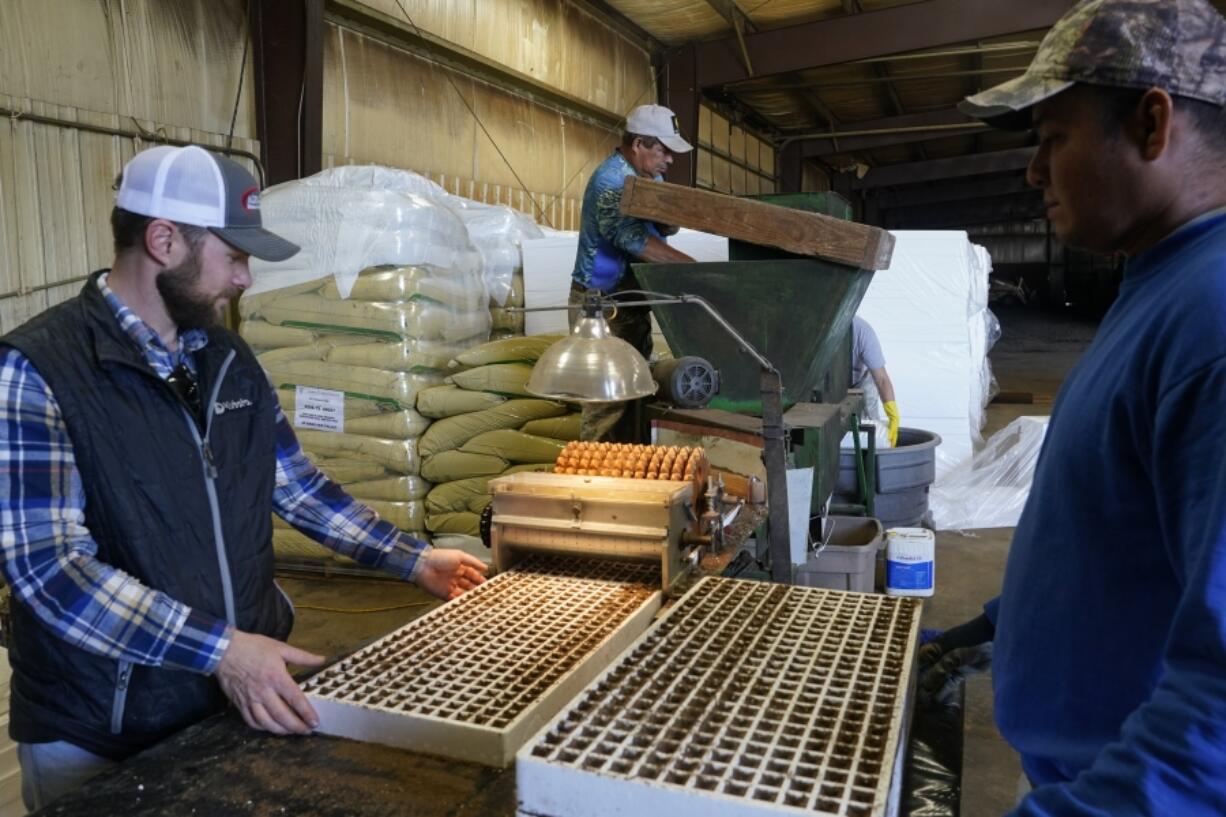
[[150, 507]]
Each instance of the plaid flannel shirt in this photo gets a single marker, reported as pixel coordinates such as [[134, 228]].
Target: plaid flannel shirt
[[50, 558]]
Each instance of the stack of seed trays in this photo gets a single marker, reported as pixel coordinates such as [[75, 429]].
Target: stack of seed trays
[[745, 699], [475, 678]]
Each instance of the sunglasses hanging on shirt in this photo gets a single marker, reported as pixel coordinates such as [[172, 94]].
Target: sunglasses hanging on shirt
[[184, 383]]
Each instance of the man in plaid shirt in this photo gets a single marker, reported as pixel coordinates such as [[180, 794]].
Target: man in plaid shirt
[[143, 451]]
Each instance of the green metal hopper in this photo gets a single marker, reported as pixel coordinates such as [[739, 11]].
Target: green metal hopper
[[797, 312]]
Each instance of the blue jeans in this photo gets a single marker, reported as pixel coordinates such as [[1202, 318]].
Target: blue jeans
[[49, 770]]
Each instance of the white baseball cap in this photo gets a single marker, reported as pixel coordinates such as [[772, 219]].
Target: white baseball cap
[[660, 122], [191, 185]]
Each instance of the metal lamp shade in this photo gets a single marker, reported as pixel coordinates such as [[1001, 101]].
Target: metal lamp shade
[[591, 365]]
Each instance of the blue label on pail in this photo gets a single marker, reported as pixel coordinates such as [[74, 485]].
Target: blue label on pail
[[904, 576]]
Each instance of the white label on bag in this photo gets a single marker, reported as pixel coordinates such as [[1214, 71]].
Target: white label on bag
[[320, 409]]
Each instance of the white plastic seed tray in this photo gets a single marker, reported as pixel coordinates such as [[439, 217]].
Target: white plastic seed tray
[[475, 678], [745, 699]]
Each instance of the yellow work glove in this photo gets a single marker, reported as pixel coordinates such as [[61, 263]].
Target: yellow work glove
[[891, 411]]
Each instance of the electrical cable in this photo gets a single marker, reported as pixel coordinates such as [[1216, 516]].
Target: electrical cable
[[242, 73], [480, 124]]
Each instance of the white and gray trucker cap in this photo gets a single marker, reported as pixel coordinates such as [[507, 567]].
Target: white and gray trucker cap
[[191, 185]]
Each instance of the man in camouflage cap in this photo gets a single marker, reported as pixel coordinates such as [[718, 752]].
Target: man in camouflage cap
[[1109, 662]]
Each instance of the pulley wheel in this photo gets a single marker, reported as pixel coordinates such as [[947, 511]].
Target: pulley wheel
[[687, 382]]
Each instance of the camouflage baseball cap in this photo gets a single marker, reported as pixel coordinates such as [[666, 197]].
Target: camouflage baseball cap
[[1176, 45]]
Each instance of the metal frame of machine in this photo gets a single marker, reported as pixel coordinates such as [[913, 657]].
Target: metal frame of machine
[[654, 521]]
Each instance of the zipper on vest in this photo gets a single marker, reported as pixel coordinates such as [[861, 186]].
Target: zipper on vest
[[122, 679], [209, 465]]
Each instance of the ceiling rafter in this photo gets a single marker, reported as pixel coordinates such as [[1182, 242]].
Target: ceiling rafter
[[871, 34], [741, 25], [1000, 161]]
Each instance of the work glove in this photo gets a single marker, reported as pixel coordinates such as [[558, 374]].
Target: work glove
[[891, 411], [939, 680], [952, 657]]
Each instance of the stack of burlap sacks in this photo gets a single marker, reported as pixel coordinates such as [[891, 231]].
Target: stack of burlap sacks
[[396, 334], [487, 424], [506, 323]]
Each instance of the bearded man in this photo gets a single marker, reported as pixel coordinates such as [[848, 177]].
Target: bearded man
[[144, 452]]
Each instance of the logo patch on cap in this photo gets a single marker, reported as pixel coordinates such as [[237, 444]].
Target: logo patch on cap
[[250, 199], [676, 126]]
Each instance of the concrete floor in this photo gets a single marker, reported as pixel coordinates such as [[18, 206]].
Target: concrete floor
[[1034, 354]]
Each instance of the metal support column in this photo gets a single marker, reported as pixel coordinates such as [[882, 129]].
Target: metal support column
[[287, 41], [774, 455], [679, 92], [791, 169]]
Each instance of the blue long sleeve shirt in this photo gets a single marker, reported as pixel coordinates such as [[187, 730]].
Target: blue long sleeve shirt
[[1110, 650]]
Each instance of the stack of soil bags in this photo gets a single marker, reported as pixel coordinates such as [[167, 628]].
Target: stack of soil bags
[[487, 424]]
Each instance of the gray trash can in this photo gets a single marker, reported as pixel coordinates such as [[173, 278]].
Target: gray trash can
[[849, 559]]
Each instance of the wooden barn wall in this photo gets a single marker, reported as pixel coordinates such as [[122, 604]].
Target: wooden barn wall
[[147, 66], [731, 159], [553, 41], [385, 105]]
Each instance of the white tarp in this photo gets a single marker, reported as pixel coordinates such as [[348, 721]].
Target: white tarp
[[930, 312], [990, 489]]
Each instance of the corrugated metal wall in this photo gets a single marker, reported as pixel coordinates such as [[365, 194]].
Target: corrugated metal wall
[[553, 41], [385, 105], [135, 65]]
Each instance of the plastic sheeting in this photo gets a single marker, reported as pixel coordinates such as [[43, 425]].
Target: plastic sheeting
[[930, 312], [353, 217], [348, 219], [990, 490]]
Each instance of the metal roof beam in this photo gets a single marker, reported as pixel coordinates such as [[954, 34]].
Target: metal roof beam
[[888, 131], [942, 193], [741, 25], [1018, 207], [927, 24], [979, 164]]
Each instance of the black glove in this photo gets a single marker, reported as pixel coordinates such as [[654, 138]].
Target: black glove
[[952, 657]]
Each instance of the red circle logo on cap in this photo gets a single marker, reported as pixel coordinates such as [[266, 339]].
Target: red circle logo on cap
[[250, 199]]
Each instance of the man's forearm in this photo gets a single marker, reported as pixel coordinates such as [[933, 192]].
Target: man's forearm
[[656, 251], [102, 610], [885, 387]]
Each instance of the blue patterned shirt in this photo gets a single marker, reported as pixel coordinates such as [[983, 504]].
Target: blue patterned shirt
[[50, 558], [608, 241]]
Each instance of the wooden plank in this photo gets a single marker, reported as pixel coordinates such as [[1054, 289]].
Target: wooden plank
[[831, 239]]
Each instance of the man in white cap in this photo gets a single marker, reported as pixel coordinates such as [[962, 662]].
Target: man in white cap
[[143, 451], [610, 241]]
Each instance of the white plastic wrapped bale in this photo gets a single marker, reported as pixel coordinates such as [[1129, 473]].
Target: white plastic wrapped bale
[[929, 310], [495, 232], [990, 489]]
